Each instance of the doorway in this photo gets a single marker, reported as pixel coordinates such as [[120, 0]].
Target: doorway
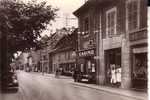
[[113, 67]]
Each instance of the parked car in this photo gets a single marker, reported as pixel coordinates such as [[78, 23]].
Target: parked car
[[9, 81], [90, 77]]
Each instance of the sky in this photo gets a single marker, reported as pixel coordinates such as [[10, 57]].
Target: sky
[[66, 9]]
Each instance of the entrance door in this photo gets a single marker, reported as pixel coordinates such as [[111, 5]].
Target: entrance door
[[113, 66]]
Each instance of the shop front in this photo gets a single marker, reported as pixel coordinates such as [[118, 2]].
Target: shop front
[[139, 67], [87, 65], [113, 67], [67, 68]]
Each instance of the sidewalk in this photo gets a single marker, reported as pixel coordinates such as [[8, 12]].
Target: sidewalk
[[118, 91]]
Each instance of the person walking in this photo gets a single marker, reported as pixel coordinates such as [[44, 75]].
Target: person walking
[[75, 75], [57, 73], [113, 75]]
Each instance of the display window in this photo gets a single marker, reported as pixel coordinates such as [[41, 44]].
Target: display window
[[139, 73], [140, 66]]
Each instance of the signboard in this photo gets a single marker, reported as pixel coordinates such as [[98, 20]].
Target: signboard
[[86, 53]]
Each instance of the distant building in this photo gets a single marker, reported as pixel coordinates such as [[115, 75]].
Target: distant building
[[64, 53], [54, 58], [23, 60]]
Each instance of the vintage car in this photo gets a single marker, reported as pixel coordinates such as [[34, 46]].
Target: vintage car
[[9, 81]]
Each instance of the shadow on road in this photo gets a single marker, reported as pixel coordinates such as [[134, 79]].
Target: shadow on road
[[9, 91]]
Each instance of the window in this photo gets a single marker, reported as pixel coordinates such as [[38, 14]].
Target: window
[[86, 26], [111, 20], [132, 14], [44, 57], [140, 66]]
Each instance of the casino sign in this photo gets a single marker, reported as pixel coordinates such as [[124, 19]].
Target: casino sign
[[85, 53]]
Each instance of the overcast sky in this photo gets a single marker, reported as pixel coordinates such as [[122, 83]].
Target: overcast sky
[[66, 8]]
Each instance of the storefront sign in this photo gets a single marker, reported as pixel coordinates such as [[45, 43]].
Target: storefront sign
[[86, 53], [138, 35]]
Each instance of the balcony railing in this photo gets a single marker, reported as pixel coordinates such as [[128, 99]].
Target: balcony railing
[[138, 35]]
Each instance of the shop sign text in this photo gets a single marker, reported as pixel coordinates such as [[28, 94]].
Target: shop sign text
[[86, 53]]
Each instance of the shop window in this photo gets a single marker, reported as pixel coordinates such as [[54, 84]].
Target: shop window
[[140, 66], [111, 21], [82, 67], [44, 57], [132, 9], [93, 68]]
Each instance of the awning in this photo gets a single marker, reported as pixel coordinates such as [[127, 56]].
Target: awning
[[140, 50]]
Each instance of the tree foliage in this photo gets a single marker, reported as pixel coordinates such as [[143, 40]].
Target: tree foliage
[[23, 23]]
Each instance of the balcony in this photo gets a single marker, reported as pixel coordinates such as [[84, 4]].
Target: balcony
[[138, 35]]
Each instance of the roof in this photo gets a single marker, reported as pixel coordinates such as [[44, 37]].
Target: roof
[[88, 5], [84, 7], [67, 42]]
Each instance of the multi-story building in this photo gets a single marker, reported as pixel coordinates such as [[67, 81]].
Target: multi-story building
[[51, 45], [113, 39], [63, 55], [43, 54]]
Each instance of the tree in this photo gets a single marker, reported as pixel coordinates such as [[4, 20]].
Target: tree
[[21, 24]]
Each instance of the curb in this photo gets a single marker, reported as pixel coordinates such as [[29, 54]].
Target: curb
[[112, 92]]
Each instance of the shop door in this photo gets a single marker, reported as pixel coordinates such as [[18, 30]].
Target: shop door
[[113, 66]]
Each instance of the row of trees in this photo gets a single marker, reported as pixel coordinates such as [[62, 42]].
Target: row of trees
[[21, 24]]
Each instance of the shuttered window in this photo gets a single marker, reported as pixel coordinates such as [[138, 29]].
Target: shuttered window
[[111, 21], [132, 14]]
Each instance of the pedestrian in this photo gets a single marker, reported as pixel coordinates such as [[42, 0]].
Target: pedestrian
[[57, 73], [113, 75], [76, 75], [118, 75]]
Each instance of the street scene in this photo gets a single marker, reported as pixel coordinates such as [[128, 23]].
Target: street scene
[[74, 50], [35, 86]]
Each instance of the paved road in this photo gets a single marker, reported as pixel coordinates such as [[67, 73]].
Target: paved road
[[38, 87]]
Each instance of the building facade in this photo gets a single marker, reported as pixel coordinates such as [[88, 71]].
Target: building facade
[[119, 31], [51, 47], [23, 61], [63, 56]]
